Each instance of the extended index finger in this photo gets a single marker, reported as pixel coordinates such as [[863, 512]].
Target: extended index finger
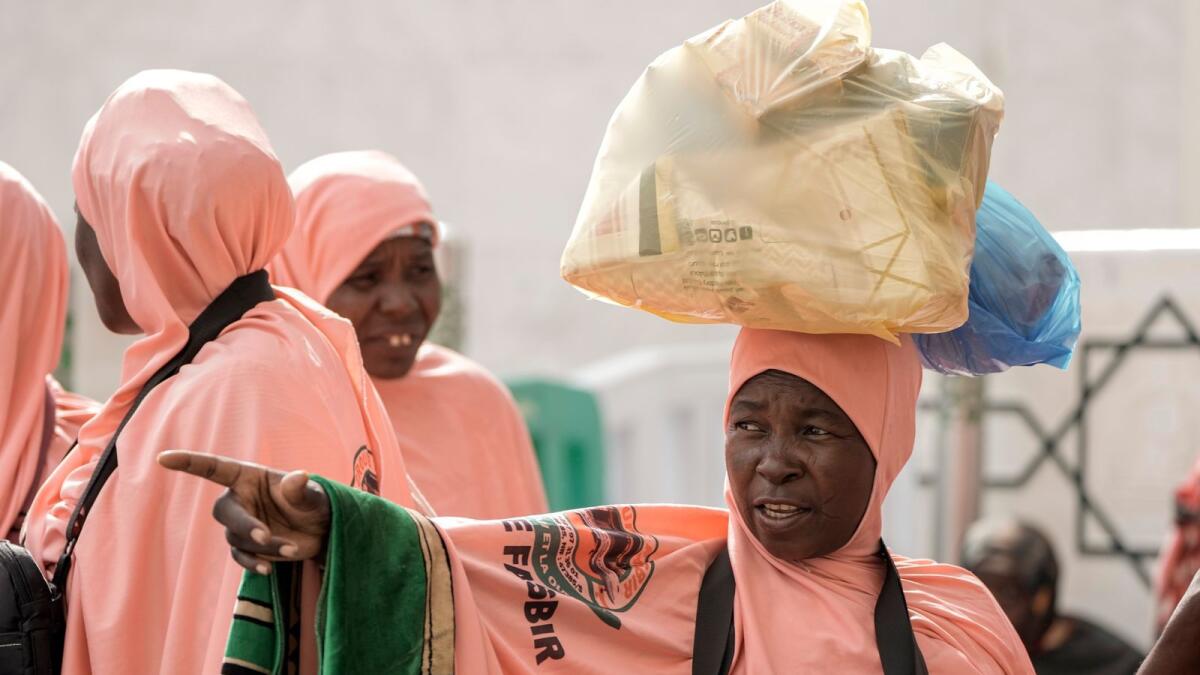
[[217, 469]]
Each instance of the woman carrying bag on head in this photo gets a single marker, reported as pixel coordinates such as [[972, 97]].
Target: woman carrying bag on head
[[792, 579]]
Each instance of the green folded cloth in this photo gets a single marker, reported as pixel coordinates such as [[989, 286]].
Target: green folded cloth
[[386, 603]]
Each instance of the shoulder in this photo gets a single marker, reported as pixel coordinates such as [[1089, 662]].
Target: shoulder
[[438, 362], [948, 584], [272, 354], [951, 608], [270, 337], [434, 357]]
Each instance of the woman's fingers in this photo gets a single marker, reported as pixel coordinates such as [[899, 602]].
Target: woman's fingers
[[277, 548], [211, 467], [303, 494], [251, 562], [294, 488], [238, 522]]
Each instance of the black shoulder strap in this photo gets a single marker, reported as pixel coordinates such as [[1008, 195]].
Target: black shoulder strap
[[894, 637], [712, 647], [713, 644], [243, 294]]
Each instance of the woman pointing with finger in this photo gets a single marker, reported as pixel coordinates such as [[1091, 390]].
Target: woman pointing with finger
[[792, 578]]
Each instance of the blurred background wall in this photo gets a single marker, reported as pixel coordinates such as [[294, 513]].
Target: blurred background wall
[[500, 106]]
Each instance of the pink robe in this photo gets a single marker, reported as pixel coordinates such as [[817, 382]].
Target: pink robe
[[34, 297], [185, 194]]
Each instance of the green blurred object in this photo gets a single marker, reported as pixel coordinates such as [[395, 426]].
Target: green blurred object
[[564, 423]]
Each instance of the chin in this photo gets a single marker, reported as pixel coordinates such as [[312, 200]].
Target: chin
[[390, 370], [121, 325]]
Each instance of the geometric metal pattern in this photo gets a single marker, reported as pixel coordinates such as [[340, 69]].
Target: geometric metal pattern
[[1050, 440]]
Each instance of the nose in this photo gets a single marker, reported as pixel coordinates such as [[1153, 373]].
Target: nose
[[397, 299], [779, 466]]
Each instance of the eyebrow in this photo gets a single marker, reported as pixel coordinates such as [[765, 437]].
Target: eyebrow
[[824, 414], [751, 405], [748, 405]]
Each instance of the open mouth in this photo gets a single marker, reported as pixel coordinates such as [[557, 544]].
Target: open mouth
[[781, 513], [398, 339]]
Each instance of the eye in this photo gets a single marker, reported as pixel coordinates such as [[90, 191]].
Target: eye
[[745, 425], [422, 271], [811, 430], [363, 282]]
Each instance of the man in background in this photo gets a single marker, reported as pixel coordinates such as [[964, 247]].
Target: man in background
[[1017, 563]]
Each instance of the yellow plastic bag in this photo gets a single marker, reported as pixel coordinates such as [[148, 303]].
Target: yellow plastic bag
[[777, 172]]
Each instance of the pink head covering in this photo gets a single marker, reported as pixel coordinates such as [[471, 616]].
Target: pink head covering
[[185, 194], [464, 441], [176, 238], [818, 615], [370, 197], [34, 298], [875, 383]]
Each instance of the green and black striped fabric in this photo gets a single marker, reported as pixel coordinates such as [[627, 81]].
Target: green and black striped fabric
[[386, 604]]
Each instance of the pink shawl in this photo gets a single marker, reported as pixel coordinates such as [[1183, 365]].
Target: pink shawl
[[34, 297], [185, 194]]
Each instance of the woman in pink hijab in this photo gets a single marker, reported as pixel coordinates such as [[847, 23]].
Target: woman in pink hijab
[[179, 195], [38, 419], [817, 428], [363, 246]]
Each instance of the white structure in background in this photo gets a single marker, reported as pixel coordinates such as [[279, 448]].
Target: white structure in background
[[662, 408], [663, 405]]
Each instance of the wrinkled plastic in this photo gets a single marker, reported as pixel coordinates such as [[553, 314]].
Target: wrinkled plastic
[[1024, 297], [777, 172]]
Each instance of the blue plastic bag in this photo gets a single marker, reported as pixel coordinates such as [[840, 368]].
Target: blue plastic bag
[[1024, 297]]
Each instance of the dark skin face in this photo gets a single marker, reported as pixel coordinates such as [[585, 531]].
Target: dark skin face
[[800, 472], [392, 298], [105, 289]]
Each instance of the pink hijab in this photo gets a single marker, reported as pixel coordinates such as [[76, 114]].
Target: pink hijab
[[465, 443], [185, 194], [818, 615], [347, 203], [34, 298]]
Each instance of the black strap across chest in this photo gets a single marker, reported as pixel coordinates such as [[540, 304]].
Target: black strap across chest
[[242, 295], [714, 637]]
